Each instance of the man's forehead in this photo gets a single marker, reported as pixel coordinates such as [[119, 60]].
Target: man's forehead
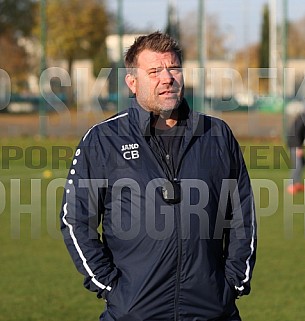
[[148, 57]]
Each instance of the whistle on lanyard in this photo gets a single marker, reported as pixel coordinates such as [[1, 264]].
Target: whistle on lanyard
[[171, 192]]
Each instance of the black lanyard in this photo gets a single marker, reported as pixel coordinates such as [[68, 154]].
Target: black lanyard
[[166, 146]]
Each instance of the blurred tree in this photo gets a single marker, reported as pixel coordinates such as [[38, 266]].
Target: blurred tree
[[16, 23], [247, 57], [77, 29], [296, 39], [264, 51], [17, 16], [264, 44], [13, 59], [215, 38], [172, 27]]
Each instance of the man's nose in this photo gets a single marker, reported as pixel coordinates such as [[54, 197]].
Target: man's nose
[[166, 76]]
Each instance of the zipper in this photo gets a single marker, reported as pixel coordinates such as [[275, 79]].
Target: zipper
[[179, 256], [171, 174]]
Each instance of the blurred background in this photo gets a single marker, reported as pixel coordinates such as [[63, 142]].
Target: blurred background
[[241, 56], [61, 71]]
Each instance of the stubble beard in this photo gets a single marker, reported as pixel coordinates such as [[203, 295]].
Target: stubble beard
[[164, 109], [161, 106], [166, 112]]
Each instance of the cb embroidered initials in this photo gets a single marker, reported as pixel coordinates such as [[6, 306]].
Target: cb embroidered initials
[[130, 151]]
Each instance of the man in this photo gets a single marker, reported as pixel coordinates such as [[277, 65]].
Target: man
[[171, 191], [295, 142]]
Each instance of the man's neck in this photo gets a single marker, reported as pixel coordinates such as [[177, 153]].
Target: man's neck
[[166, 121]]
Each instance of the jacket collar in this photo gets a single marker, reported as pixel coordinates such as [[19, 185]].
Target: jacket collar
[[141, 116], [144, 118]]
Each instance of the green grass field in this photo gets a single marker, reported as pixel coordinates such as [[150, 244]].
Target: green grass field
[[39, 281]]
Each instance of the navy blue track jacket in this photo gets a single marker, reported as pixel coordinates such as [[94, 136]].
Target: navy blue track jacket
[[182, 261]]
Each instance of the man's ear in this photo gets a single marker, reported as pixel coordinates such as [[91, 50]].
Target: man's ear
[[131, 82]]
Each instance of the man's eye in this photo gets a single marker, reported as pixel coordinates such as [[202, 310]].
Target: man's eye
[[157, 71], [175, 71], [153, 72]]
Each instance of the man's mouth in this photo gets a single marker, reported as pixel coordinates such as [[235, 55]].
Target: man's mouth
[[168, 93]]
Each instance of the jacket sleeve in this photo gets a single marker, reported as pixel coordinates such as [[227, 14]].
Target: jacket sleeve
[[240, 241], [81, 215]]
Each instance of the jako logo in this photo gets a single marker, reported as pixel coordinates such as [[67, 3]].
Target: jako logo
[[130, 151]]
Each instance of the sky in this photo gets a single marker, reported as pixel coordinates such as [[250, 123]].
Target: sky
[[241, 18]]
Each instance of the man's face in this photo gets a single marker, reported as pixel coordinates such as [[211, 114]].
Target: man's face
[[158, 81]]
